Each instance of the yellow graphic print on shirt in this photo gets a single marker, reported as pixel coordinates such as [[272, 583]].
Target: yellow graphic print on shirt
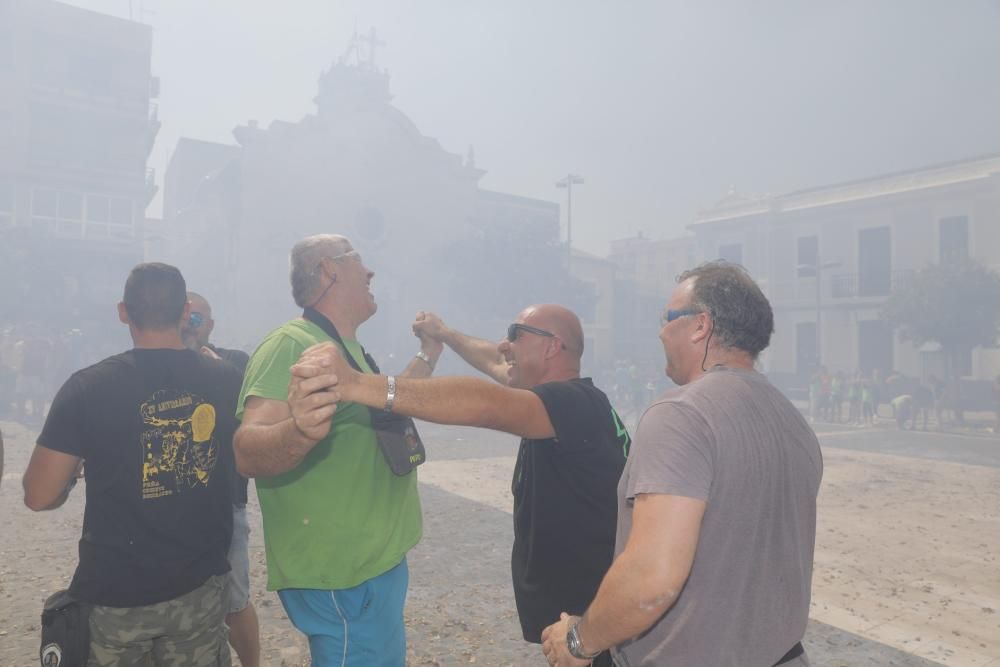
[[179, 450]]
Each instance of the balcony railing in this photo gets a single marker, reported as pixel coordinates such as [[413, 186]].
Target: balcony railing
[[860, 285]]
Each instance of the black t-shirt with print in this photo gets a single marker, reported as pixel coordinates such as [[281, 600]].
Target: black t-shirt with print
[[565, 504], [155, 428]]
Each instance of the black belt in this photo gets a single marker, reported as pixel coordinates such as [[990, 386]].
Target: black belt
[[795, 652]]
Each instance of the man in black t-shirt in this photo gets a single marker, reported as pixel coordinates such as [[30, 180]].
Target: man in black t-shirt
[[241, 617], [154, 425], [570, 460]]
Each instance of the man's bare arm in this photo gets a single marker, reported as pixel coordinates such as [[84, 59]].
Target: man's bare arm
[[461, 401], [419, 368], [643, 582], [49, 478], [479, 353], [276, 435]]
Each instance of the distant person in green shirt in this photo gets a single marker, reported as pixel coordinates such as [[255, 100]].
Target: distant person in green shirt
[[337, 522]]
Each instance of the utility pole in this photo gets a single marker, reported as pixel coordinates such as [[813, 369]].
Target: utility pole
[[568, 182]]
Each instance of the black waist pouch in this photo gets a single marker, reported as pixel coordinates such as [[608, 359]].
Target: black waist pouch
[[399, 441], [65, 632], [397, 435]]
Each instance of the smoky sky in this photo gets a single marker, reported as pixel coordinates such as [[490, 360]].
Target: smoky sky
[[661, 106]]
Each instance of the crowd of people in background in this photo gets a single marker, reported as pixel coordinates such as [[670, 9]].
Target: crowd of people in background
[[856, 398], [35, 360]]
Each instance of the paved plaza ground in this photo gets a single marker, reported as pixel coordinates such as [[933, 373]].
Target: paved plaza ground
[[907, 556]]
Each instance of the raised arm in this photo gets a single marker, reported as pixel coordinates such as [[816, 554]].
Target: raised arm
[[422, 365], [479, 353], [448, 400]]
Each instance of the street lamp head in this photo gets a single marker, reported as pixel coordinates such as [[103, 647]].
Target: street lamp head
[[570, 179]]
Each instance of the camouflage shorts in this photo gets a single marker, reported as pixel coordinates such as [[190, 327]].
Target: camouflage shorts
[[187, 631]]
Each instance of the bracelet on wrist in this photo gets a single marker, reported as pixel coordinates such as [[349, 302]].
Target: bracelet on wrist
[[426, 358], [390, 394]]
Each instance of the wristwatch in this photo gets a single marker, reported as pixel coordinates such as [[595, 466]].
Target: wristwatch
[[575, 646]]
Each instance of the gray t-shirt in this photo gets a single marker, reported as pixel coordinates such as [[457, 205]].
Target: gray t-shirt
[[730, 439]]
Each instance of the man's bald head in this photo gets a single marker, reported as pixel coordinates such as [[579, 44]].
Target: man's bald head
[[197, 328], [561, 321], [200, 304]]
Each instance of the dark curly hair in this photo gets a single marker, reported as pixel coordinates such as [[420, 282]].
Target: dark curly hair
[[741, 314]]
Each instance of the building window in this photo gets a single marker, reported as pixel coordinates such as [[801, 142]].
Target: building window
[[98, 208], [6, 128], [731, 252], [963, 363], [6, 203], [808, 256], [74, 214], [875, 347], [44, 203], [806, 353], [6, 50], [953, 239], [70, 206], [874, 261], [120, 211], [6, 196]]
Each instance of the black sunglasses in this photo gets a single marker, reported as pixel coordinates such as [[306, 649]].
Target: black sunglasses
[[513, 329]]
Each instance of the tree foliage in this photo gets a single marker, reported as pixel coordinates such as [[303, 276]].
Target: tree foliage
[[956, 304]]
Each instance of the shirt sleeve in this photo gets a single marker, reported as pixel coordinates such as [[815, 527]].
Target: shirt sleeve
[[570, 413], [268, 373], [64, 426], [671, 454]]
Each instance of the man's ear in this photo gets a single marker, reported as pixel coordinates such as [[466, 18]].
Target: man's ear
[[333, 276], [123, 313], [704, 328]]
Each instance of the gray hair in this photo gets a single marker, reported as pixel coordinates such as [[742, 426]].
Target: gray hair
[[742, 318], [305, 260]]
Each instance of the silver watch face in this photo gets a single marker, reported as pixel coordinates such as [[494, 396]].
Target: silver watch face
[[573, 642]]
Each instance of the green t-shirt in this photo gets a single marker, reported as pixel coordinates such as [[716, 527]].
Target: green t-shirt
[[341, 517]]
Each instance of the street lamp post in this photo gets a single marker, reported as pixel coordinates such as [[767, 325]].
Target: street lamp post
[[568, 182], [817, 269]]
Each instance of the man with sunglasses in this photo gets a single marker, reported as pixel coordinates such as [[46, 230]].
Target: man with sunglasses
[[572, 452], [717, 504], [338, 522], [241, 617]]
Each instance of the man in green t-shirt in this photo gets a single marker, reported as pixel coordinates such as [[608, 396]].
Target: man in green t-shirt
[[337, 521]]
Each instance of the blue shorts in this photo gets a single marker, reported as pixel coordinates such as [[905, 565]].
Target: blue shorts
[[353, 627], [238, 585]]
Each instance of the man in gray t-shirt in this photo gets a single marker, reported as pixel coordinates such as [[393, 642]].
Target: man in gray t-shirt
[[717, 504]]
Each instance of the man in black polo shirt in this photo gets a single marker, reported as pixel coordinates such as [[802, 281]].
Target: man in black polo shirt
[[241, 617], [571, 456], [154, 425]]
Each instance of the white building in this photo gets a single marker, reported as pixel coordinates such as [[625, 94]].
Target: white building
[[865, 236]]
